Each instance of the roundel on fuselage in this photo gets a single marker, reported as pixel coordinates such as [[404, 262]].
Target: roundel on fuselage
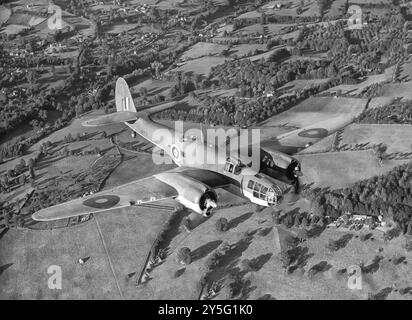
[[175, 152]]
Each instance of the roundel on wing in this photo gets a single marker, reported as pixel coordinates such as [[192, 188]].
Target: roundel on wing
[[314, 133], [102, 202], [175, 152]]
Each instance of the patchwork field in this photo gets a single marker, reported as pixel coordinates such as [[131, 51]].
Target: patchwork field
[[341, 169], [246, 49], [354, 89], [201, 49], [153, 87], [253, 236], [319, 110], [302, 84], [310, 8], [378, 102], [397, 138], [114, 244], [200, 66], [395, 90]]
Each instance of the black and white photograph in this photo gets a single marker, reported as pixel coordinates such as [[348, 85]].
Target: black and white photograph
[[222, 151]]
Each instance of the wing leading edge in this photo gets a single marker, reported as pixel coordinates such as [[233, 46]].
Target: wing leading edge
[[140, 191], [147, 190]]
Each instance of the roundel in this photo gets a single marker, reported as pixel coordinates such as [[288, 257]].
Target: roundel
[[313, 133], [175, 152], [102, 202]]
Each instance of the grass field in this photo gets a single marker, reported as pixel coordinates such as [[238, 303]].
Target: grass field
[[354, 89], [201, 66], [406, 72], [116, 244], [201, 49], [119, 28], [401, 90], [266, 55], [341, 169], [5, 14], [318, 110], [310, 8], [378, 102], [153, 87], [246, 49], [397, 138], [336, 8], [250, 30], [171, 280], [302, 84]]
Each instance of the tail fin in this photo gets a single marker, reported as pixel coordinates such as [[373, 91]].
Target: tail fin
[[126, 111], [123, 98]]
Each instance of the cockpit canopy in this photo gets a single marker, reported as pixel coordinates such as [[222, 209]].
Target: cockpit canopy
[[233, 166]]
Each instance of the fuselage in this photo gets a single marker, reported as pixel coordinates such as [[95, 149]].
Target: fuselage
[[186, 150]]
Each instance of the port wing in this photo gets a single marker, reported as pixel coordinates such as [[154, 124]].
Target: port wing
[[147, 190], [140, 191]]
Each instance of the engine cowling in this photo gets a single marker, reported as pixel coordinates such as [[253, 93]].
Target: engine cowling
[[282, 163], [202, 203], [193, 194]]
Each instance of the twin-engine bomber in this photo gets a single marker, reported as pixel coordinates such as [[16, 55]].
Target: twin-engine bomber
[[193, 184]]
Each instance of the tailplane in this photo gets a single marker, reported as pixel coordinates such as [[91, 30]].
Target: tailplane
[[118, 117]]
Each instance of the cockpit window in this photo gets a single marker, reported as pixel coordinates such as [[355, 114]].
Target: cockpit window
[[257, 186], [229, 167], [250, 184], [232, 167]]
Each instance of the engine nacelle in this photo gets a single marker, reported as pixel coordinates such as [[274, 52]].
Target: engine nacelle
[[202, 203], [282, 163], [193, 194]]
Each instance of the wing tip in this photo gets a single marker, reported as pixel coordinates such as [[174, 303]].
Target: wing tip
[[38, 217]]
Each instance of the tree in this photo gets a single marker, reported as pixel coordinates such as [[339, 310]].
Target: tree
[[31, 172], [296, 223], [184, 256], [409, 230], [304, 222], [22, 179], [333, 245], [186, 223], [222, 225], [302, 235]]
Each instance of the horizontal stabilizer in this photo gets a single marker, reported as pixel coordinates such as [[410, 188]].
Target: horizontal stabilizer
[[118, 117]]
